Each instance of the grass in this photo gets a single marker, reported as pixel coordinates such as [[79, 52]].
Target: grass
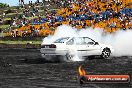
[[29, 18], [20, 42], [41, 11], [11, 14], [4, 26], [7, 19]]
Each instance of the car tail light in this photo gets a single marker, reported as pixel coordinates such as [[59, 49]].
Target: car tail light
[[48, 46], [52, 46], [42, 46]]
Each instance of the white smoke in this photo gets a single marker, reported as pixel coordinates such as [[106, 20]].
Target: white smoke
[[121, 40]]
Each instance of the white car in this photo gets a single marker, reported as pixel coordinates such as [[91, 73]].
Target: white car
[[69, 47]]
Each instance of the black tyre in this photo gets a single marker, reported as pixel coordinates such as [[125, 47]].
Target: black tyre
[[105, 53], [69, 57]]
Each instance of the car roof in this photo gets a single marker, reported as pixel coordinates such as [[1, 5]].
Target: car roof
[[83, 37], [78, 37]]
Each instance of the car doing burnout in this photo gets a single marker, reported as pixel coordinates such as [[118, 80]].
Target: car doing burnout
[[69, 47]]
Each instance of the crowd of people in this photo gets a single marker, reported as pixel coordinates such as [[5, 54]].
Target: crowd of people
[[111, 15]]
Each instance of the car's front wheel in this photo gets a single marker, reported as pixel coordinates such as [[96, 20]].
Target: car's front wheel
[[106, 53]]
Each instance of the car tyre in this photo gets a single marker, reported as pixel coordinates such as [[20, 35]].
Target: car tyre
[[106, 53], [50, 58], [69, 57]]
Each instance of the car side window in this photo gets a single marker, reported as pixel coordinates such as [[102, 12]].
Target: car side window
[[89, 41], [80, 41], [70, 42]]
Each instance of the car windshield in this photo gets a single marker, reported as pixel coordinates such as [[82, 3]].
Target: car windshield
[[61, 40]]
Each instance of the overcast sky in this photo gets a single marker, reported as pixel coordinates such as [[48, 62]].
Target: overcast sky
[[15, 2]]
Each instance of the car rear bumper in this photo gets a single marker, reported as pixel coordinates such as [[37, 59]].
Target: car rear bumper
[[53, 52]]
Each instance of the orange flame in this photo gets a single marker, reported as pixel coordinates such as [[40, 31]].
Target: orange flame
[[81, 71]]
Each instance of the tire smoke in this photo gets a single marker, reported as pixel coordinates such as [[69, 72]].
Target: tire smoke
[[121, 40]]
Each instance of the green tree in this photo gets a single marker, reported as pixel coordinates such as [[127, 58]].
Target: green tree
[[3, 5]]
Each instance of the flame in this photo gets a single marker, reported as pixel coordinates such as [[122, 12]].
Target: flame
[[81, 71]]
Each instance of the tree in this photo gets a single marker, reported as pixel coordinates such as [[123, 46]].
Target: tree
[[2, 5]]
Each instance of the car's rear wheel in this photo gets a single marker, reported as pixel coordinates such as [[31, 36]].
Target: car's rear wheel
[[106, 53], [51, 58], [47, 58], [73, 57], [68, 57]]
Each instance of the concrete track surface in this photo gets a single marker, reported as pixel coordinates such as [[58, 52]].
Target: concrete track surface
[[24, 68]]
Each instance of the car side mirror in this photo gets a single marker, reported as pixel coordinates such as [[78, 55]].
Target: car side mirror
[[96, 43]]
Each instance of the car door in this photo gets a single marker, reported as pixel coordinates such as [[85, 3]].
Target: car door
[[75, 46], [70, 46], [80, 46], [91, 47]]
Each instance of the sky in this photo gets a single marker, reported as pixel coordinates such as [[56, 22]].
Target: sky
[[15, 2]]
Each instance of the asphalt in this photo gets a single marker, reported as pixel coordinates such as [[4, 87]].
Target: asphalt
[[24, 68]]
